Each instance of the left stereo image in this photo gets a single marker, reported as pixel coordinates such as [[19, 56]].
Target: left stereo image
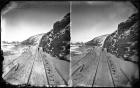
[[35, 41]]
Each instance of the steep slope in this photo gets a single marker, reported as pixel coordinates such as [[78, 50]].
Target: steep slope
[[97, 41], [124, 41], [57, 41]]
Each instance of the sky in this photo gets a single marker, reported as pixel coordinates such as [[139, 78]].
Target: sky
[[94, 18], [89, 19], [22, 19]]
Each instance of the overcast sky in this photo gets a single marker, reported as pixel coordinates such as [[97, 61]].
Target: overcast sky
[[94, 18], [20, 20]]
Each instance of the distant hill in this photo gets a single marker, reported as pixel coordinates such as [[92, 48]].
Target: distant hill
[[77, 43], [33, 40], [13, 42], [97, 41]]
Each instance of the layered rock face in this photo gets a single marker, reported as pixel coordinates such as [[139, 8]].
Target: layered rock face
[[57, 41], [123, 42]]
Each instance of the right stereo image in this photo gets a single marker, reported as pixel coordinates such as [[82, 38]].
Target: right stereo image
[[104, 44]]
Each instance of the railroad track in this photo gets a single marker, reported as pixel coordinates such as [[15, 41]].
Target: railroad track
[[118, 76], [107, 73], [96, 71], [87, 65], [51, 72], [31, 71], [102, 77], [112, 71], [49, 75]]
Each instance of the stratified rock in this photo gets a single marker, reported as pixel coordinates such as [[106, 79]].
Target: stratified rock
[[57, 41]]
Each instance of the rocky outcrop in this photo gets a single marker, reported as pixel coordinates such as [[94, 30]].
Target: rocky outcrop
[[123, 42], [57, 41]]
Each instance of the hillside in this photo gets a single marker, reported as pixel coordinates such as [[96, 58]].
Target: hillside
[[97, 41], [124, 41], [33, 40], [57, 41]]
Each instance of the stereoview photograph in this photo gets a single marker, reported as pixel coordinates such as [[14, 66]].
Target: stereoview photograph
[[70, 43]]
